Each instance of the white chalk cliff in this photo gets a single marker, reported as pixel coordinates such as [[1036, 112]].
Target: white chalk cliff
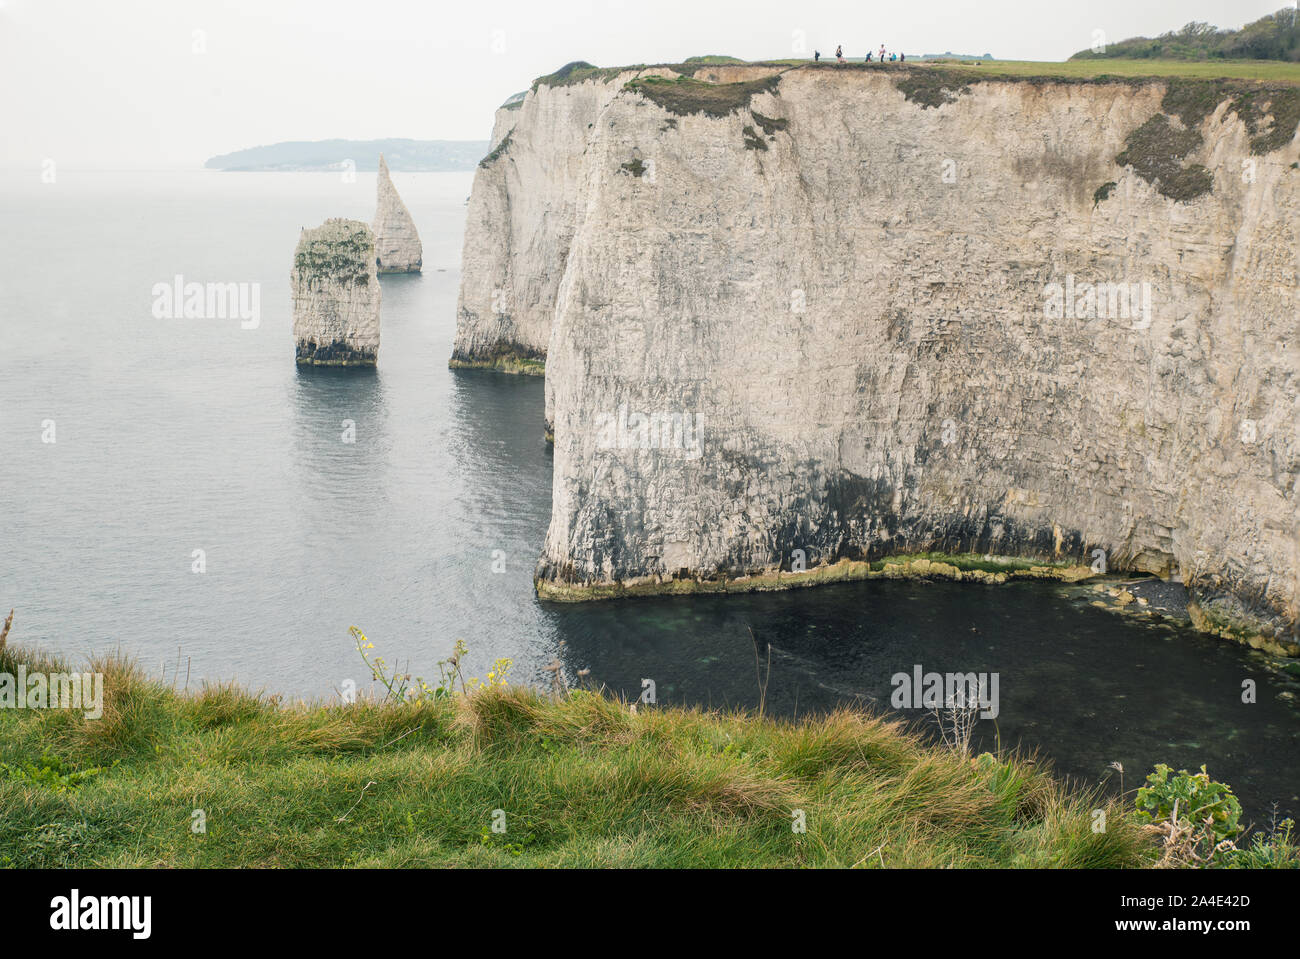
[[825, 309], [397, 243], [522, 215], [336, 295]]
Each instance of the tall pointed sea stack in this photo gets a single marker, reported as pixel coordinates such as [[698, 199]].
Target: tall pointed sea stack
[[397, 244], [336, 295]]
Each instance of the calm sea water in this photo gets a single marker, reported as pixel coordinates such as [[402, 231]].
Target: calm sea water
[[175, 435]]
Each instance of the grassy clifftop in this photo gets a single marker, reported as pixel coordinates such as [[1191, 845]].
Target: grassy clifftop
[[1270, 70], [1084, 69], [578, 780]]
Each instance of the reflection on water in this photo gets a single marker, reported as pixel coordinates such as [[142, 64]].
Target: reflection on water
[[342, 445], [184, 435]]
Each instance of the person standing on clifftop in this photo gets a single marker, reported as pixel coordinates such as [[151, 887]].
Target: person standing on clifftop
[[839, 52], [817, 55], [882, 53]]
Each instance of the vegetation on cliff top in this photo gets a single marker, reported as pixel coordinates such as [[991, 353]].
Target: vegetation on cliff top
[[341, 250], [1081, 71], [1192, 84], [683, 96], [579, 71], [1273, 37], [1120, 71], [1268, 78], [711, 60]]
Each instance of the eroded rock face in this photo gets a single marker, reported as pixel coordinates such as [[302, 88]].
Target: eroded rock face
[[336, 295], [834, 320], [522, 214], [397, 243]]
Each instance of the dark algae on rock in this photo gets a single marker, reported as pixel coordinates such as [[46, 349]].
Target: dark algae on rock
[[1158, 149]]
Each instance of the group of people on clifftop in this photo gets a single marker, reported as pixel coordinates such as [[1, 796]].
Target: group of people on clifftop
[[839, 55]]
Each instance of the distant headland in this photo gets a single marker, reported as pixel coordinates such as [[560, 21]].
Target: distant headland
[[408, 156]]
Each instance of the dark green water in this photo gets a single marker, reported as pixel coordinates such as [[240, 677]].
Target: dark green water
[[176, 435], [1079, 685]]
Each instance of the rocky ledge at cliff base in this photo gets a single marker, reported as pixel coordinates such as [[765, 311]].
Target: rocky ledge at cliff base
[[336, 295]]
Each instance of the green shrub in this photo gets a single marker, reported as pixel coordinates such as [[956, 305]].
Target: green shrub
[[1201, 817], [1274, 37]]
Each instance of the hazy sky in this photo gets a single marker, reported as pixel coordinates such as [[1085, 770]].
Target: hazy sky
[[165, 83]]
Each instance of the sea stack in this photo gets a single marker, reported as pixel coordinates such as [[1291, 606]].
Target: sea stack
[[336, 295], [397, 244]]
